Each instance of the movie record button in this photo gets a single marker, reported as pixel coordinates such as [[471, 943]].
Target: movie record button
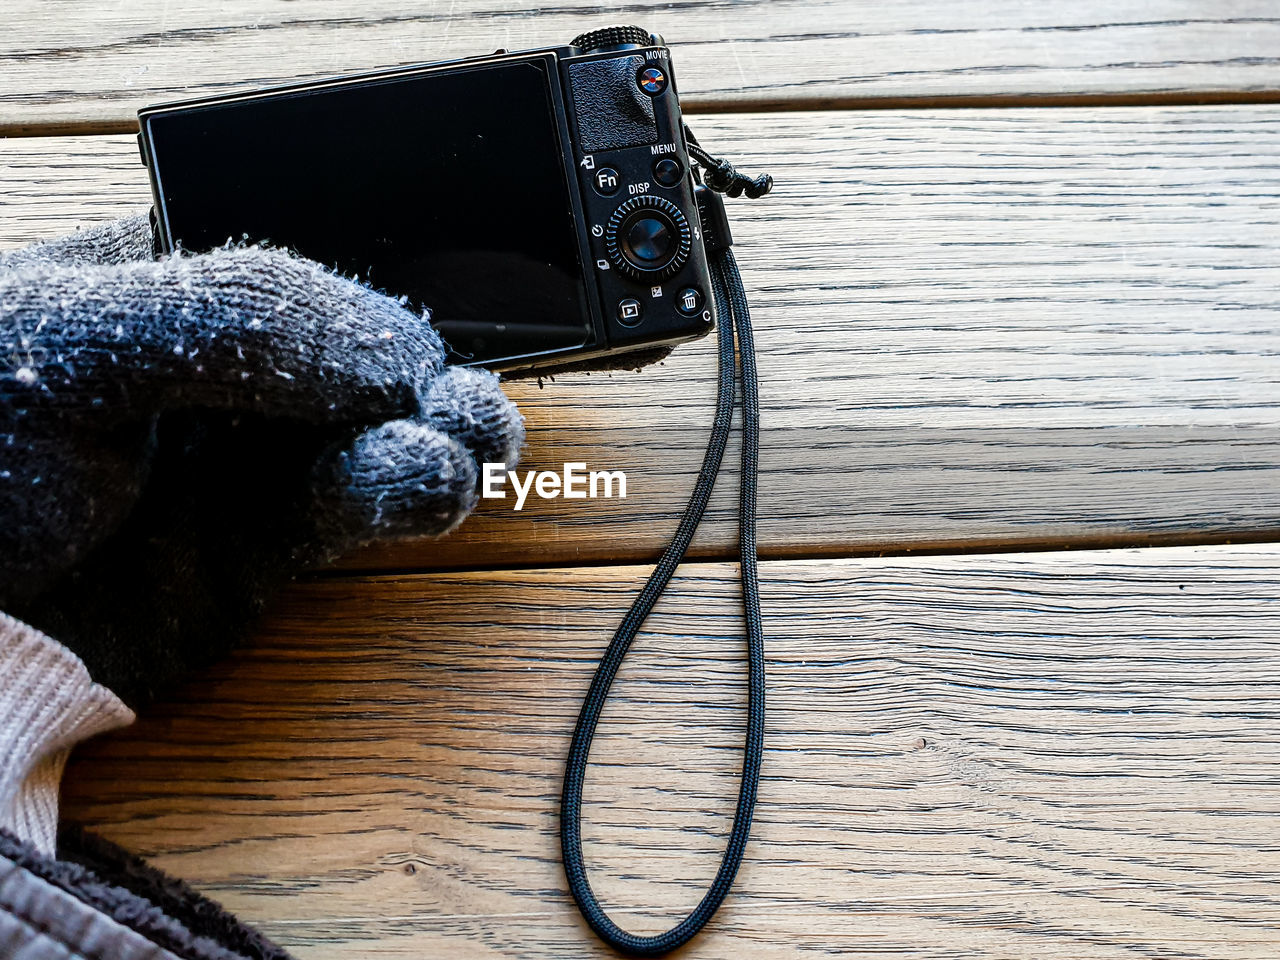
[[629, 312], [689, 301], [607, 182], [668, 172], [652, 80]]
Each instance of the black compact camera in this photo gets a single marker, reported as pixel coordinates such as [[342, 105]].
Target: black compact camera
[[540, 204]]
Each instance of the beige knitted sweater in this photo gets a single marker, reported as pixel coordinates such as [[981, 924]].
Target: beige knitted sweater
[[48, 704]]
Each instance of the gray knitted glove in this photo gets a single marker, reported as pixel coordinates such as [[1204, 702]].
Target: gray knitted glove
[[178, 437]]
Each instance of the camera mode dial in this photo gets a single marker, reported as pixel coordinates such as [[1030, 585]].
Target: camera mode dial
[[648, 238], [613, 38]]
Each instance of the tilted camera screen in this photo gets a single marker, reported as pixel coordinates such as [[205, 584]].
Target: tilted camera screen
[[447, 188]]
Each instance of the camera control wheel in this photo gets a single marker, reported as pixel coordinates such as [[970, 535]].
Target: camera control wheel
[[613, 38], [648, 238]]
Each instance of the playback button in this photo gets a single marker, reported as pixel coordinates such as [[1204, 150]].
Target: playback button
[[629, 312]]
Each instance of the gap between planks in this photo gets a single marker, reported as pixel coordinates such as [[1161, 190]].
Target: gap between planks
[[694, 107], [94, 64]]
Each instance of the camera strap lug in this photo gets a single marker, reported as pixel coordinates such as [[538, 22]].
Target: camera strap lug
[[716, 235]]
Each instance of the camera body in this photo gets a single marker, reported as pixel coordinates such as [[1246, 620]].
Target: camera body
[[540, 204]]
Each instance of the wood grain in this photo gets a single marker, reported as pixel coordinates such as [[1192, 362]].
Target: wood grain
[[1063, 756], [976, 329], [94, 64]]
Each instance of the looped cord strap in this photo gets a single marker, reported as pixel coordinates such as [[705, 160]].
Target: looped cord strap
[[723, 178], [735, 317]]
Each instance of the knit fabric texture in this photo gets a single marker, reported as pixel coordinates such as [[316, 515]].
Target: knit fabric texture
[[48, 703], [178, 437]]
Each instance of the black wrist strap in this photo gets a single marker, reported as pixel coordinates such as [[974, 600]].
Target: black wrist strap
[[731, 302]]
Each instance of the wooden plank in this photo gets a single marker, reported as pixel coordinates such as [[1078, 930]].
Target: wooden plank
[[1059, 755], [94, 65], [976, 328]]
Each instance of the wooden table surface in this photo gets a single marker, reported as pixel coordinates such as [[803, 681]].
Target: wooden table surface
[[1016, 299]]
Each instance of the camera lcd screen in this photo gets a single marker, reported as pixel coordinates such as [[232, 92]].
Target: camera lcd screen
[[445, 187]]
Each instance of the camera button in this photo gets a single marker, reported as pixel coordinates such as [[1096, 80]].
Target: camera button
[[607, 182], [668, 172], [629, 312], [652, 80], [650, 239], [689, 301]]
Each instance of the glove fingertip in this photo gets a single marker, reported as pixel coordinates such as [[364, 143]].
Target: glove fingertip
[[469, 405], [403, 478], [124, 240]]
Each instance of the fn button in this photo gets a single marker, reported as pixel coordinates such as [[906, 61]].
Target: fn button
[[606, 181]]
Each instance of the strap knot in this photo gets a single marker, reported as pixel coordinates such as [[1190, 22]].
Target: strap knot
[[721, 176]]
